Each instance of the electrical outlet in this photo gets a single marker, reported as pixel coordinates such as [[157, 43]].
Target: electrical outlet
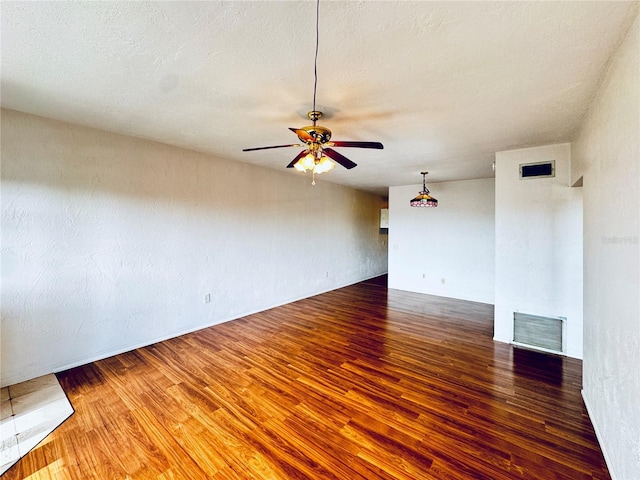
[[207, 298], [442, 280], [424, 275]]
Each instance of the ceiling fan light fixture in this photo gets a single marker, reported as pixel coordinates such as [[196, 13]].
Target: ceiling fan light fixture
[[316, 165], [424, 199], [324, 165], [308, 162]]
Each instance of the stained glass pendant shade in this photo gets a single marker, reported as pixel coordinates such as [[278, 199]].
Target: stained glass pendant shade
[[424, 199]]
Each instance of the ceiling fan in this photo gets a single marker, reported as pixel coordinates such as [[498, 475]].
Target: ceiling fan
[[318, 147], [317, 139]]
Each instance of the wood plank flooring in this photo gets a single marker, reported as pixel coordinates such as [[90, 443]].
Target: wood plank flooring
[[358, 383]]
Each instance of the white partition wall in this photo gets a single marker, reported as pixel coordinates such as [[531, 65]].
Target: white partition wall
[[538, 244]]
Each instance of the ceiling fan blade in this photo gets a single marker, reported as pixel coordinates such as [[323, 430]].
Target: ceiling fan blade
[[377, 145], [302, 134], [298, 157], [267, 148], [338, 157]]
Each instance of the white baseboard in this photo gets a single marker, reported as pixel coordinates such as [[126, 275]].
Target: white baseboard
[[607, 457]]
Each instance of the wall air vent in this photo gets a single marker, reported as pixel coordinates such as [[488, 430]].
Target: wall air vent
[[540, 333], [538, 169]]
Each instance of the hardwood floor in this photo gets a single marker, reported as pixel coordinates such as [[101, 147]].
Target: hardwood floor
[[358, 383]]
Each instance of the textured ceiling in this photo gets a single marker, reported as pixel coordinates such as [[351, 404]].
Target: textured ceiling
[[443, 85]]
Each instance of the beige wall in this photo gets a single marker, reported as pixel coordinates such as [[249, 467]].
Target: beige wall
[[606, 155], [111, 242]]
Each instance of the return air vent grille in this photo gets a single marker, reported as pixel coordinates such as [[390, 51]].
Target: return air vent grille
[[540, 333], [538, 169]]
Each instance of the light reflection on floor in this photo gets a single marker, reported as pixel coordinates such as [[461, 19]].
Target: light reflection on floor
[[31, 410]]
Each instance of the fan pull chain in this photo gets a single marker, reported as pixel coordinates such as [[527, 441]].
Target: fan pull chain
[[313, 173]]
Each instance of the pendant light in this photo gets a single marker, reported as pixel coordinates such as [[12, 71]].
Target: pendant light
[[424, 199]]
